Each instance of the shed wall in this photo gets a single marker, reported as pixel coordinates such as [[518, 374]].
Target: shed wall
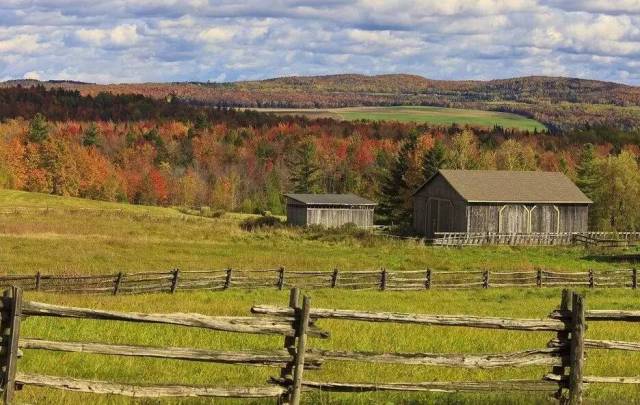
[[335, 217], [296, 215]]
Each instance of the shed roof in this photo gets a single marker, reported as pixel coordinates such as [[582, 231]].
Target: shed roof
[[330, 199], [513, 186]]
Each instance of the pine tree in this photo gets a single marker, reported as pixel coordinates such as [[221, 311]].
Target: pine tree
[[394, 190], [90, 136], [38, 129], [434, 160], [587, 172], [303, 168]]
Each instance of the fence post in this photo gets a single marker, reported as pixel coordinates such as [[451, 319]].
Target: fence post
[[485, 279], [563, 336], [289, 345], [634, 278], [334, 278], [38, 278], [116, 285], [427, 279], [12, 311], [174, 281], [281, 278], [301, 347], [227, 279], [577, 350], [539, 278], [592, 282], [383, 279]]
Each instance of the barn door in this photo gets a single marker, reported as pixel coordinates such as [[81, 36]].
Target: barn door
[[544, 219], [513, 219], [439, 216]]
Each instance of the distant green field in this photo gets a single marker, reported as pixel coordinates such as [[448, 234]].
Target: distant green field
[[421, 114]]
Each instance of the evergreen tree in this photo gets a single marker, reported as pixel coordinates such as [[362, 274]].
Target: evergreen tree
[[434, 159], [38, 129], [394, 200], [587, 172], [303, 168], [90, 136]]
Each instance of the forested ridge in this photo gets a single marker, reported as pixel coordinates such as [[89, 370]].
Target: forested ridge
[[142, 150], [559, 103]]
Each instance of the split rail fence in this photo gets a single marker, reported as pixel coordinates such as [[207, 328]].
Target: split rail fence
[[385, 280], [564, 354], [602, 239]]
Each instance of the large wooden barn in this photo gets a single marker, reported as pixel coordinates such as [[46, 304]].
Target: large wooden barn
[[499, 202], [330, 210]]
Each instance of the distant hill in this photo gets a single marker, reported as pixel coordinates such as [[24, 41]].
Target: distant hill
[[558, 102]]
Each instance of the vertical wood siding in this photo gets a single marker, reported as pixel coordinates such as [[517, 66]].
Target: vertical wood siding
[[334, 217], [438, 208]]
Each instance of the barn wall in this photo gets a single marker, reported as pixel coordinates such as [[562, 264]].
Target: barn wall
[[483, 218], [514, 218], [574, 218], [437, 207], [334, 217], [296, 215]]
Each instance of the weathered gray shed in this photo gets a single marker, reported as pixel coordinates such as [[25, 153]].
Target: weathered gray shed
[[330, 210], [500, 202]]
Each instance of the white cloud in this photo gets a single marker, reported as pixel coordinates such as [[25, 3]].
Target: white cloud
[[32, 75], [217, 35], [167, 40]]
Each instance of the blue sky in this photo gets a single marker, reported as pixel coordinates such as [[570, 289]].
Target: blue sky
[[198, 40]]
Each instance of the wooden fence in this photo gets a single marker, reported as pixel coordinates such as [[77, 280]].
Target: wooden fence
[[384, 280], [294, 328], [565, 353], [602, 239]]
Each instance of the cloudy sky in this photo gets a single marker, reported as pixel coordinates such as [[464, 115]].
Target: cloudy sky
[[225, 40]]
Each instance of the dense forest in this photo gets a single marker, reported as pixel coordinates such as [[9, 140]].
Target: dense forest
[[166, 152], [560, 103]]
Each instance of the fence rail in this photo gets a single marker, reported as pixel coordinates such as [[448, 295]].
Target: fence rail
[[386, 280], [603, 239], [565, 353]]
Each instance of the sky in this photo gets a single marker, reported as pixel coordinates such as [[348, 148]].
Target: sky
[[115, 41]]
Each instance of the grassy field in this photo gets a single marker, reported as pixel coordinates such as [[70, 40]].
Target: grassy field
[[421, 114], [66, 235]]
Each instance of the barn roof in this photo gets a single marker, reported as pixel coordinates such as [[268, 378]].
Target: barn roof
[[513, 186], [330, 199]]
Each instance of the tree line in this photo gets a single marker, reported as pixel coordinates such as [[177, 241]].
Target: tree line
[[239, 161]]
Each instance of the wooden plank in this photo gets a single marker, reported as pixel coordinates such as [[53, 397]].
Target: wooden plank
[[248, 357], [11, 332], [174, 280], [440, 320], [602, 344], [577, 351], [597, 379], [140, 391], [257, 325], [437, 386], [546, 357], [289, 345], [116, 285], [298, 371], [602, 315]]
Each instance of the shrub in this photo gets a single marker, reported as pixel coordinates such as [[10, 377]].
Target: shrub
[[261, 222]]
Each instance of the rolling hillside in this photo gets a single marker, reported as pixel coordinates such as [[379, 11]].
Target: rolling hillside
[[559, 103]]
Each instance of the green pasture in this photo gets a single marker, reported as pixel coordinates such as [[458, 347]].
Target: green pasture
[[422, 114], [346, 335], [72, 236], [59, 235]]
